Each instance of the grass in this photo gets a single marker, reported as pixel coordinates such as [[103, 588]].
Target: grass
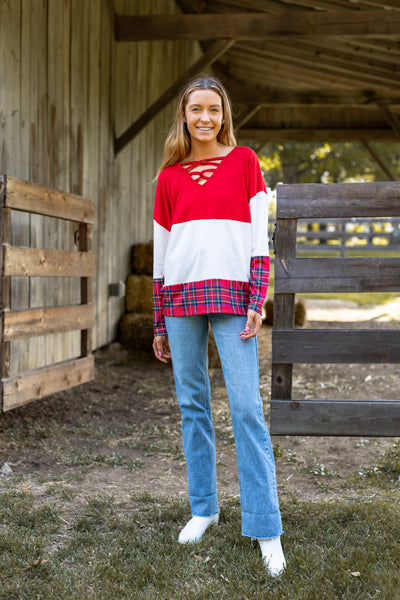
[[387, 467], [107, 549]]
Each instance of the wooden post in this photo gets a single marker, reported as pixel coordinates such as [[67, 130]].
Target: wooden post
[[285, 247], [85, 245], [5, 238]]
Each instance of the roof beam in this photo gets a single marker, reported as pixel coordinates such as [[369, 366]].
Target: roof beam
[[378, 161], [212, 54], [291, 70], [252, 26], [241, 93], [344, 62], [317, 135], [391, 119], [247, 115]]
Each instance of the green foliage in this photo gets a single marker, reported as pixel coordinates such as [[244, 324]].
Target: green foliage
[[327, 163]]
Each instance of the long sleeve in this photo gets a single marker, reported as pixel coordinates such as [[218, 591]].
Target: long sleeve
[[260, 262], [259, 279], [161, 228]]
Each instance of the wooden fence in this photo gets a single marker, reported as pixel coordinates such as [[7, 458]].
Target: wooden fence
[[17, 195], [295, 275]]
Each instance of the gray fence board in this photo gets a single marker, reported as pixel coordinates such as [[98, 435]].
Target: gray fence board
[[336, 417], [336, 346], [307, 275]]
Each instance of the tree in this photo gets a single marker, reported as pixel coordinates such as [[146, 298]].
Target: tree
[[327, 163]]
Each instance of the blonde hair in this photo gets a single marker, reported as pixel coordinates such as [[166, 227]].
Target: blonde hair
[[178, 145]]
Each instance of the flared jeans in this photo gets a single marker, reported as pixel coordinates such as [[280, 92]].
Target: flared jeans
[[188, 339]]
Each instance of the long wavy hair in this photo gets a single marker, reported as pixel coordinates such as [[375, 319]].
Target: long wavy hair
[[178, 144]]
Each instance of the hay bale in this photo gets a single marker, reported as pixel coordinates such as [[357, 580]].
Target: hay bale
[[269, 311], [142, 258], [300, 312], [213, 356], [139, 294], [136, 332]]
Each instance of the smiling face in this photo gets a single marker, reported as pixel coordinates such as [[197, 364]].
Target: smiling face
[[204, 115]]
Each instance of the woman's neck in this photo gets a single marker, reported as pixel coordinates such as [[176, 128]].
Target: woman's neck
[[204, 151]]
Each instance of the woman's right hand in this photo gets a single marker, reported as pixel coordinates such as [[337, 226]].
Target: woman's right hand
[[161, 348]]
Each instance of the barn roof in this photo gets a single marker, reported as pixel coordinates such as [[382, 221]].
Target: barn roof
[[308, 70]]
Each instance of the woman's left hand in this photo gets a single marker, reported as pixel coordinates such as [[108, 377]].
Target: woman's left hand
[[253, 324]]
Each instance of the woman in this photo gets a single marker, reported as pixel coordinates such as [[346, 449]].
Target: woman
[[211, 266]]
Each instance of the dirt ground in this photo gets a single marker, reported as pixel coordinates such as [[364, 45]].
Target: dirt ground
[[120, 434]]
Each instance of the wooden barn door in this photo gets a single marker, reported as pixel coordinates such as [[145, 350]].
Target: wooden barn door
[[291, 416]]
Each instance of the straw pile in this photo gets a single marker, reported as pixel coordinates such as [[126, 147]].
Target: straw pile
[[136, 328], [300, 312]]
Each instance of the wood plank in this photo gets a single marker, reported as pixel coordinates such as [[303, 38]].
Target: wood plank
[[250, 94], [284, 306], [38, 199], [379, 161], [44, 321], [38, 262], [209, 57], [282, 374], [320, 200], [336, 346], [253, 26], [308, 275], [335, 417], [85, 245], [299, 65], [316, 56], [34, 385], [315, 134], [5, 289]]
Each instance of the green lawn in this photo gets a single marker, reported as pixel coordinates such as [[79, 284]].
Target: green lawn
[[53, 549]]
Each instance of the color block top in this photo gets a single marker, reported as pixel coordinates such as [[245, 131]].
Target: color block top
[[210, 238]]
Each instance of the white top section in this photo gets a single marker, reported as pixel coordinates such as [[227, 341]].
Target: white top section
[[205, 249], [208, 249], [259, 224]]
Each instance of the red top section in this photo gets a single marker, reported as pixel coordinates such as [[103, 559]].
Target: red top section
[[231, 182]]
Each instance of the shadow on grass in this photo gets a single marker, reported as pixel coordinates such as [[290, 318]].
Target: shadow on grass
[[61, 548]]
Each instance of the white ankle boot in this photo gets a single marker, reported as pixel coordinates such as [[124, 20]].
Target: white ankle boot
[[195, 529], [273, 556]]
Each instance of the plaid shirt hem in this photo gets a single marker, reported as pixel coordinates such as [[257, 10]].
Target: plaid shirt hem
[[211, 296]]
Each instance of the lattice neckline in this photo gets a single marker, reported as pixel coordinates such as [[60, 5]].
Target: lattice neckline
[[207, 170]]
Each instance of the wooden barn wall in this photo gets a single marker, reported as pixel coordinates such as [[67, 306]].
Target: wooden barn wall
[[66, 87]]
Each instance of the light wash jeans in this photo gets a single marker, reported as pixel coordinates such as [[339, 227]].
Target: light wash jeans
[[188, 339]]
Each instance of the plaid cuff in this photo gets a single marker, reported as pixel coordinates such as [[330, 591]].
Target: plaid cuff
[[158, 316], [259, 279]]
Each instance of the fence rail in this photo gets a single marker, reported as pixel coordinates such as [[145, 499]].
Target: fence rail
[[18, 261]]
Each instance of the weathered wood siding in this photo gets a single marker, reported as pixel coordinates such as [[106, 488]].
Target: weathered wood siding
[[66, 89]]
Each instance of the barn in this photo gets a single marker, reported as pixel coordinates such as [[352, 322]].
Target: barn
[[86, 98]]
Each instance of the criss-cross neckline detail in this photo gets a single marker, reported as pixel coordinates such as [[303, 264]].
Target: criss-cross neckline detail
[[202, 171]]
